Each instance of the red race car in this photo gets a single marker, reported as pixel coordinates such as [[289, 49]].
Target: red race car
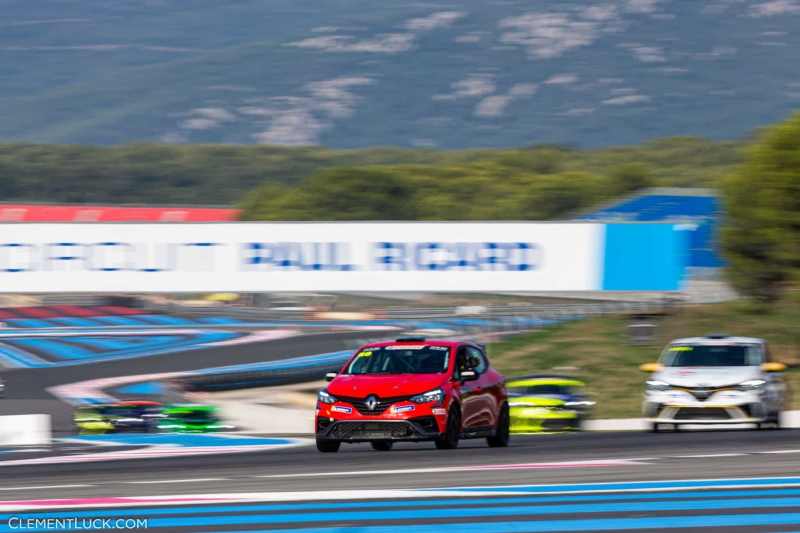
[[413, 389]]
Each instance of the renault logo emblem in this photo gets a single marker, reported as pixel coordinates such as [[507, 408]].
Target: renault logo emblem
[[372, 402]]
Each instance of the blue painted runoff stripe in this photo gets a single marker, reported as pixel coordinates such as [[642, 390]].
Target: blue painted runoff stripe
[[340, 505], [56, 348], [164, 341], [74, 322], [146, 388], [494, 511], [13, 357], [167, 320], [542, 526], [71, 354], [121, 321], [28, 323]]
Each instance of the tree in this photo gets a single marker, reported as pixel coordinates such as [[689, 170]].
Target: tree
[[274, 202], [762, 237], [342, 193], [561, 195], [630, 177]]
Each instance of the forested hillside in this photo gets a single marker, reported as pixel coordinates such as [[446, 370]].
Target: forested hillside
[[223, 175]]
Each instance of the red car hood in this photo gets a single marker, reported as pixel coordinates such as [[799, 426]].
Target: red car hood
[[385, 385]]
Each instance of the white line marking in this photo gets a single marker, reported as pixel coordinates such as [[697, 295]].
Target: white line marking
[[708, 456], [781, 451], [47, 487], [159, 481]]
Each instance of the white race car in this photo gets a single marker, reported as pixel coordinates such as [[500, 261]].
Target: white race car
[[716, 379]]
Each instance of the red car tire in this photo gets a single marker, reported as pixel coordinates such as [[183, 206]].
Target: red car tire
[[449, 439], [501, 435], [328, 446]]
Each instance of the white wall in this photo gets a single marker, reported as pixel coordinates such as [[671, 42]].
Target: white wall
[[255, 257], [24, 430]]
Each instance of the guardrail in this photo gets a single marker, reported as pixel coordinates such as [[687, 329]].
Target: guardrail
[[543, 311], [300, 370]]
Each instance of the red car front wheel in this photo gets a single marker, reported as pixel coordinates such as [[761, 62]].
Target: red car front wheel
[[449, 439], [500, 438], [328, 446]]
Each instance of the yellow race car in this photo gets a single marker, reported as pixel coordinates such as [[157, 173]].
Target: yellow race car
[[547, 403]]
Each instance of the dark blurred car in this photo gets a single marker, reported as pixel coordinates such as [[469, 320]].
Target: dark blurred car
[[134, 416]]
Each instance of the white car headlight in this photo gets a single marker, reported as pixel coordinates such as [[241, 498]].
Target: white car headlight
[[752, 385], [324, 397], [655, 385], [436, 395]]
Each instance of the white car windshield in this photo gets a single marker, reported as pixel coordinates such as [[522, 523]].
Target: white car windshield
[[712, 355]]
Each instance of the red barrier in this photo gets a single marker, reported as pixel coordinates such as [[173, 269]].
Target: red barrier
[[92, 213]]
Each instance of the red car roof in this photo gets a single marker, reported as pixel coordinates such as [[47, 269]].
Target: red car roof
[[433, 342]]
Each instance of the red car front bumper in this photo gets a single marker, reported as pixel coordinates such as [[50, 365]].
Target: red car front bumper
[[402, 421]]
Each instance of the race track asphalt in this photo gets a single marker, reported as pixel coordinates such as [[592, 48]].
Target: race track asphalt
[[594, 458]]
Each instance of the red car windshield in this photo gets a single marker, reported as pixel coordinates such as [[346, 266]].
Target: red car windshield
[[411, 359]]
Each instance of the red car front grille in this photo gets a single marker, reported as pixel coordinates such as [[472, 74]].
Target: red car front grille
[[375, 430], [383, 404]]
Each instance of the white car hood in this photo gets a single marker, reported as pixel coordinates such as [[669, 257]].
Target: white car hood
[[692, 376]]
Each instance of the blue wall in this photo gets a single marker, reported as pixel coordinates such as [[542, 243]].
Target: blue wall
[[701, 211], [645, 257]]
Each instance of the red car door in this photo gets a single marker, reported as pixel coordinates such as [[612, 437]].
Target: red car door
[[485, 390], [470, 392]]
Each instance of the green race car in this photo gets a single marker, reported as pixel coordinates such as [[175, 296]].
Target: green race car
[[547, 403], [191, 418]]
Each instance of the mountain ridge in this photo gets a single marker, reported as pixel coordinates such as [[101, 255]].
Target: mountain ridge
[[476, 74]]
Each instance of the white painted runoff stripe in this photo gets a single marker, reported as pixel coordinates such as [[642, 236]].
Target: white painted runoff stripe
[[370, 494], [257, 336], [526, 466]]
